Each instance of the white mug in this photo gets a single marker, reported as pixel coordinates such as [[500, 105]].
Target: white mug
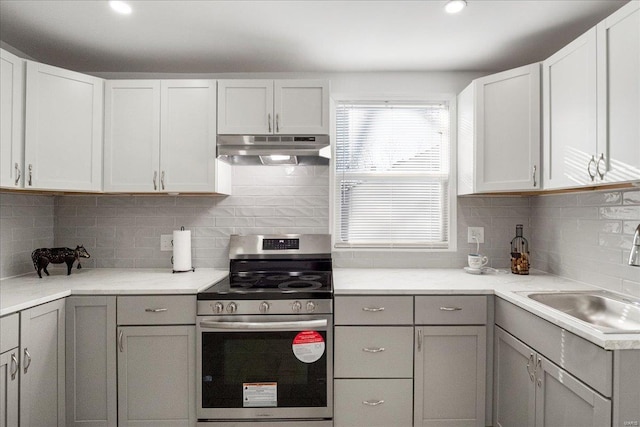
[[477, 261]]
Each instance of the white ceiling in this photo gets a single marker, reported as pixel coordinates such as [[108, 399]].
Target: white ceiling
[[295, 36]]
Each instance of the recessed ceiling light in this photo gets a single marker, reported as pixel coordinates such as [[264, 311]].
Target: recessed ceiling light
[[455, 6], [120, 7]]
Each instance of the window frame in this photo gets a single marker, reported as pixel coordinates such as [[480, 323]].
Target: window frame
[[451, 100]]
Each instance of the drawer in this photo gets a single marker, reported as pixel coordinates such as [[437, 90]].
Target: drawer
[[374, 310], [451, 310], [373, 352], [373, 403], [9, 332], [157, 310]]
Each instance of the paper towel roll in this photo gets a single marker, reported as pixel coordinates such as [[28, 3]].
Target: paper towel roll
[[181, 250]]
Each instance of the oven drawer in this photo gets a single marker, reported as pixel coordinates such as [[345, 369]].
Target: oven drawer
[[157, 310], [373, 403], [451, 310], [373, 351], [374, 310]]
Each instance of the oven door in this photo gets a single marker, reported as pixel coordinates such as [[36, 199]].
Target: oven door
[[265, 367]]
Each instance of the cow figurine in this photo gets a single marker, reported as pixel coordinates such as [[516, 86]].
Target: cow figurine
[[43, 256]]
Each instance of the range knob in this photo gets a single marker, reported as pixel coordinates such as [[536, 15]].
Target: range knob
[[217, 308], [311, 306], [232, 307], [264, 307], [296, 306]]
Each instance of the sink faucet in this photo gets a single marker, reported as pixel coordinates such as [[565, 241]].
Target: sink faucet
[[634, 257]]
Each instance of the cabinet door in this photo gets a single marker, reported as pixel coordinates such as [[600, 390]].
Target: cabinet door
[[301, 106], [188, 148], [11, 120], [449, 382], [513, 384], [569, 114], [508, 130], [562, 400], [9, 388], [245, 107], [156, 376], [63, 129], [42, 371], [619, 95], [91, 361], [132, 135]]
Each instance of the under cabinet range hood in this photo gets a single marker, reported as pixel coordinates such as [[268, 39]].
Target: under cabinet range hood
[[274, 149]]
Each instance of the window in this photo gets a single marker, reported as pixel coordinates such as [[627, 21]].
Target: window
[[392, 175]]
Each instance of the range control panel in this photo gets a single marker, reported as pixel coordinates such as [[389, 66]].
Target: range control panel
[[280, 244]]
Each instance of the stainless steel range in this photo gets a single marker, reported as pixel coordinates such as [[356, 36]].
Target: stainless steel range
[[265, 335]]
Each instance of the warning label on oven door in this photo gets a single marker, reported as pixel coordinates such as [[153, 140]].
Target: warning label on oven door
[[308, 346], [259, 395]]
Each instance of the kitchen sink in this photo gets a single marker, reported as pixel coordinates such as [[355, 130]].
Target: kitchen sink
[[605, 311]]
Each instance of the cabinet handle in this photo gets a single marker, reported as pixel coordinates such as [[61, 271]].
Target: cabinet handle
[[450, 308], [373, 309], [17, 174], [419, 340], [530, 369], [30, 174], [14, 366], [533, 175], [269, 121], [373, 350], [593, 160], [372, 402], [277, 123], [539, 372], [27, 360], [155, 310], [120, 340], [601, 174], [162, 180], [155, 180]]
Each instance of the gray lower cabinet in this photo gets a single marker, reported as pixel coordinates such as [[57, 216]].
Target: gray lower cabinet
[[532, 391], [91, 361], [450, 370], [9, 370], [42, 369], [156, 361]]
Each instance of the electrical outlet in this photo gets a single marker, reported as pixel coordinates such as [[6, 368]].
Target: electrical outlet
[[166, 242], [477, 232]]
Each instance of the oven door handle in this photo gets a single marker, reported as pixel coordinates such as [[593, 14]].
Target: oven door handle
[[262, 326]]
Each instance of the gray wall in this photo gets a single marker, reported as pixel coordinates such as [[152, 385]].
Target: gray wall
[[26, 223]]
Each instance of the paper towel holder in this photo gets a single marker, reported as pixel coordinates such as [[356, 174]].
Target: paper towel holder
[[193, 269]]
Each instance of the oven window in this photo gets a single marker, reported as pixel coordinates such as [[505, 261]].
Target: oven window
[[230, 360]]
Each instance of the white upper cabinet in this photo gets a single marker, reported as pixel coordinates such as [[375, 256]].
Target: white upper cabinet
[[499, 132], [569, 114], [63, 129], [11, 120], [619, 95], [160, 136], [132, 135], [265, 107]]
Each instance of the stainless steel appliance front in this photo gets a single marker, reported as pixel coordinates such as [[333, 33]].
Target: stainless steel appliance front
[[265, 367]]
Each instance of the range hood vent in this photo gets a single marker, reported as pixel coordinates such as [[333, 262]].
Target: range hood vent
[[274, 150]]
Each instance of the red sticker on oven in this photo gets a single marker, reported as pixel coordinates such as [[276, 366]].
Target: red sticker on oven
[[308, 346]]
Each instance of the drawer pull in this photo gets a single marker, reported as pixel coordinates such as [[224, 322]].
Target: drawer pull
[[372, 402], [450, 308], [155, 310], [373, 350], [373, 309]]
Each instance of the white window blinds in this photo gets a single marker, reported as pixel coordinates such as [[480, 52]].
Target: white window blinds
[[392, 175]]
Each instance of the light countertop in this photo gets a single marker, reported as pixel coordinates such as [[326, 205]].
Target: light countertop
[[20, 293], [353, 281]]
